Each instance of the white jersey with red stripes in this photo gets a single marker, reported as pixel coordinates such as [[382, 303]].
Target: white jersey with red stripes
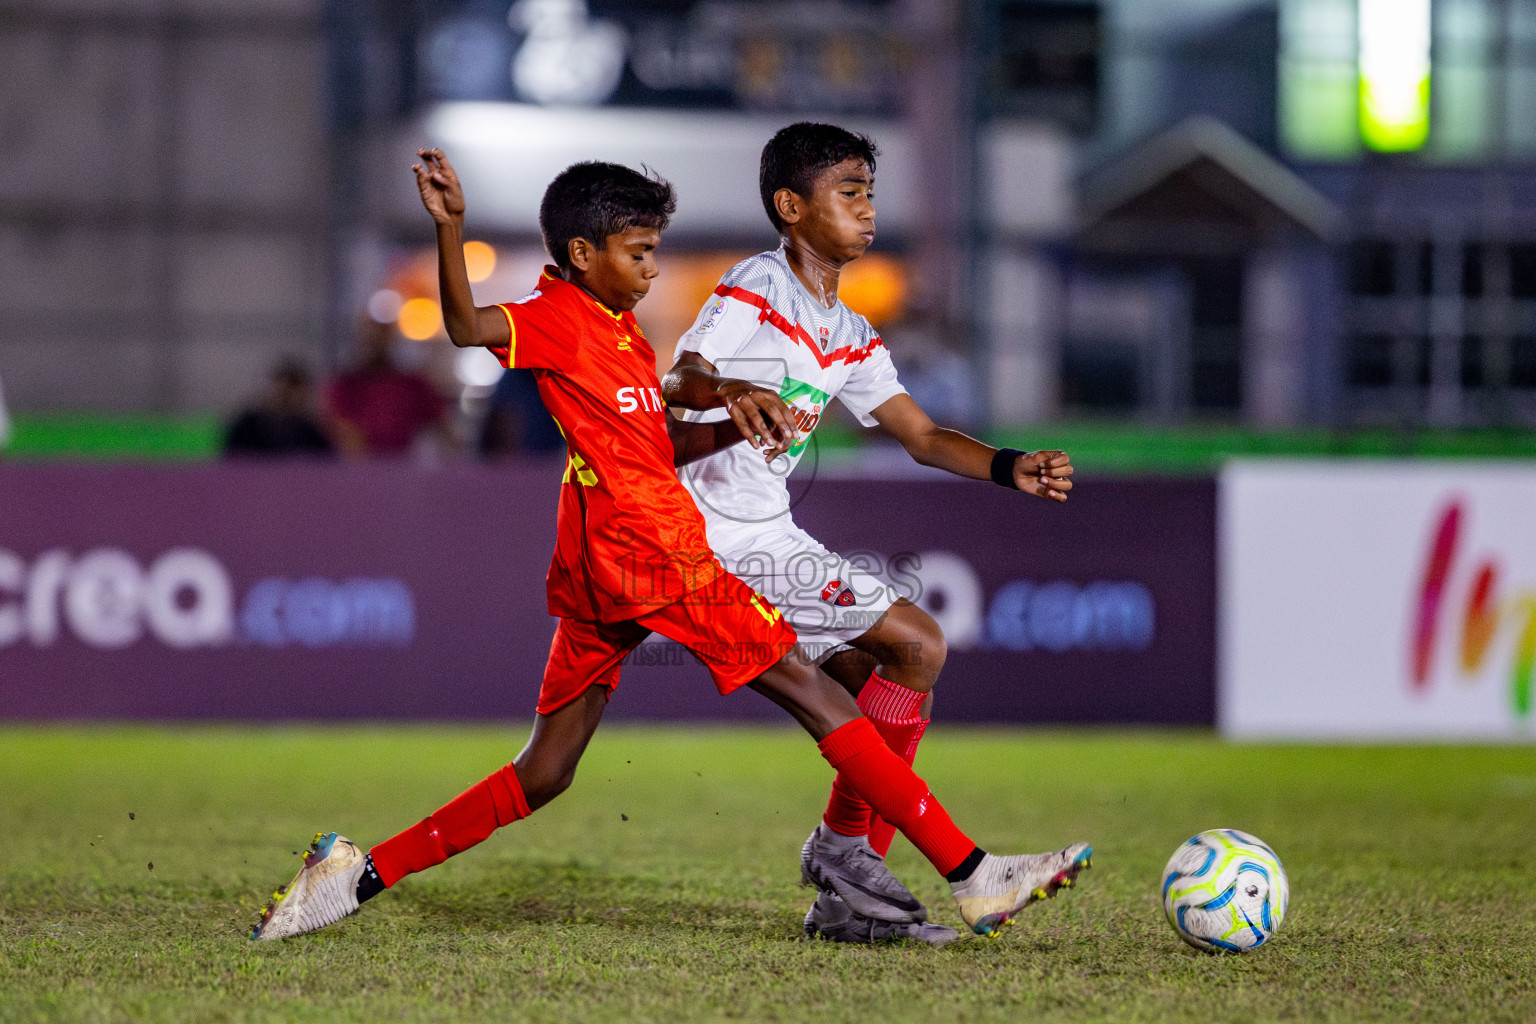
[[763, 326]]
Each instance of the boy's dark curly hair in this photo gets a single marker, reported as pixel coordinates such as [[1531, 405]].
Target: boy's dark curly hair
[[796, 154], [593, 200]]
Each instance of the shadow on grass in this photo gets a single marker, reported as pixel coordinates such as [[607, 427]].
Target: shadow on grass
[[573, 894]]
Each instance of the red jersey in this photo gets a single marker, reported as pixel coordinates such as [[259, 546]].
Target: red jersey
[[630, 538]]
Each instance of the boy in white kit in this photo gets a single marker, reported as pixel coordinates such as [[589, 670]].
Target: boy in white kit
[[775, 325]]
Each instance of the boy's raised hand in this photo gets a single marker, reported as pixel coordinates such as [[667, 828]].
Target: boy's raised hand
[[1045, 474], [441, 193]]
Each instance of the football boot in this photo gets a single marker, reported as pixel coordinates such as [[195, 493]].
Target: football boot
[[1002, 886], [830, 919], [323, 892], [849, 867]]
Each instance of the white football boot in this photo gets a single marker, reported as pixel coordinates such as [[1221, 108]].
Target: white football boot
[[1002, 886], [323, 892]]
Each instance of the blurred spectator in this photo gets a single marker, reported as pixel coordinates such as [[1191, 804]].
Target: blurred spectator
[[5, 422], [380, 410], [516, 421], [283, 423]]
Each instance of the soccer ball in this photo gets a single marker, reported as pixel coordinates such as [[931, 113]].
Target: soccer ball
[[1225, 891]]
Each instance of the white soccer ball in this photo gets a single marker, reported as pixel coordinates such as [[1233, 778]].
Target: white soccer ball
[[1225, 891]]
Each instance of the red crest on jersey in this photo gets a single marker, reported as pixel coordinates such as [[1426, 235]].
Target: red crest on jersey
[[835, 593]]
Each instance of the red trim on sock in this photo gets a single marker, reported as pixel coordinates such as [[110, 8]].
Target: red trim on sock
[[884, 701], [464, 821], [890, 786]]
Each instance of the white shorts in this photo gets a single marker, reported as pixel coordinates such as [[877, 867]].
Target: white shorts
[[828, 599]]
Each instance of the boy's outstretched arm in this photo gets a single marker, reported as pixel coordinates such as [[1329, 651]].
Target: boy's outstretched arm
[[1046, 474], [443, 197], [759, 414]]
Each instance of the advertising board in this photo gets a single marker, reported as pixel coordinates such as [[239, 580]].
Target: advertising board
[[1377, 601], [281, 592]]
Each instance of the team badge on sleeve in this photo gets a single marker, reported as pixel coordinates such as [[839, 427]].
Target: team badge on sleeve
[[712, 317]]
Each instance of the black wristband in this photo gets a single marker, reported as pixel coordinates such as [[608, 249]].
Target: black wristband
[[1002, 467]]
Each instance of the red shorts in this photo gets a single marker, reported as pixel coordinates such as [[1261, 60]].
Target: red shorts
[[727, 625]]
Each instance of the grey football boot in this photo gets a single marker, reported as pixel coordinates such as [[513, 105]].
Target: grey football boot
[[830, 919], [849, 867]]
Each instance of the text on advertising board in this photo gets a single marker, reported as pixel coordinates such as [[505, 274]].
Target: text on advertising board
[[186, 599]]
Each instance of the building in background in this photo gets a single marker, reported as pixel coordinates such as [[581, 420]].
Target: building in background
[[164, 224], [1265, 211]]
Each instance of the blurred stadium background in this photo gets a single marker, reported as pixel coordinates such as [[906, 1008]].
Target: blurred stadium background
[[1158, 233]]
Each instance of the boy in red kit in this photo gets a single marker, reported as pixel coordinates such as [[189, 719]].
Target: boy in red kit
[[632, 558]]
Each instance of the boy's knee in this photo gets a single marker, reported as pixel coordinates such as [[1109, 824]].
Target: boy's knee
[[918, 646], [934, 652]]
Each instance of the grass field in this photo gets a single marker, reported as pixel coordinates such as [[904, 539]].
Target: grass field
[[1412, 871]]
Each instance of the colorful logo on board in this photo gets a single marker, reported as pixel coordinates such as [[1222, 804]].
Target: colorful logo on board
[[1487, 613]]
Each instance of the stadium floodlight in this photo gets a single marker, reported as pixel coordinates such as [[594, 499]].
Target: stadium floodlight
[[1394, 74]]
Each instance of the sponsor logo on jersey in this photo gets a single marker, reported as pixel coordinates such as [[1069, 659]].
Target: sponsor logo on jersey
[[805, 405], [631, 399], [712, 317], [528, 298]]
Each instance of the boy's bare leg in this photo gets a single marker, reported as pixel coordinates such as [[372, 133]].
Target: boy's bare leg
[[547, 764], [811, 696]]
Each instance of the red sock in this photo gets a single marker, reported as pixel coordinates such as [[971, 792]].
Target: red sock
[[465, 820], [888, 783], [894, 711], [881, 832]]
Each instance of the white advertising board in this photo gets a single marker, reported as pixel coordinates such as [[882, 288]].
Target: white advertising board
[[1376, 600]]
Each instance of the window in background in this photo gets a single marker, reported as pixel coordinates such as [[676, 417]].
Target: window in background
[[1451, 79], [1319, 106], [1464, 98], [1042, 60]]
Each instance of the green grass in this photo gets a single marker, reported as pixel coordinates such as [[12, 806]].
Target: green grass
[[1412, 870], [1097, 448]]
